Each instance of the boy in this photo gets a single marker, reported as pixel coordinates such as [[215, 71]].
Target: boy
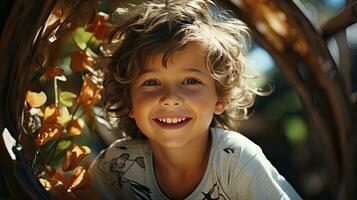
[[176, 79]]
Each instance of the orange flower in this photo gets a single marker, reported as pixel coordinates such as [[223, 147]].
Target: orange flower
[[78, 179], [51, 114], [49, 171], [48, 132], [99, 26], [56, 184], [73, 156], [74, 127], [87, 10], [74, 186], [34, 99], [51, 72], [90, 92], [61, 192], [45, 183], [81, 61], [54, 119], [55, 178], [89, 114], [56, 115]]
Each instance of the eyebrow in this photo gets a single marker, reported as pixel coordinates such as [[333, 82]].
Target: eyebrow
[[189, 70]]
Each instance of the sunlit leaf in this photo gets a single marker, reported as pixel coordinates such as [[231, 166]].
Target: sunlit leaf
[[64, 115], [89, 114], [35, 100], [50, 29], [57, 184], [79, 178], [73, 156], [49, 170], [51, 72], [74, 127], [81, 61], [90, 93], [100, 27], [48, 132], [45, 183], [54, 119], [56, 115], [60, 12], [75, 186], [51, 114], [64, 144], [67, 98], [81, 37], [87, 10], [94, 48]]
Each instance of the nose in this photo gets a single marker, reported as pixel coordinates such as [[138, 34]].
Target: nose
[[171, 98]]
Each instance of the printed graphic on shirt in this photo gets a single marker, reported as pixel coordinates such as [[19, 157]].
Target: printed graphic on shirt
[[229, 150], [116, 169], [215, 193]]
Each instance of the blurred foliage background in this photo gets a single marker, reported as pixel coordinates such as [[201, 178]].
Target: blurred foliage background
[[278, 123]]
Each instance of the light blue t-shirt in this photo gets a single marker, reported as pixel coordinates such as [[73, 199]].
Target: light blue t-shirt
[[237, 169]]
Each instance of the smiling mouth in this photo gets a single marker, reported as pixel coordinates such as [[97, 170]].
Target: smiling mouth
[[172, 123]]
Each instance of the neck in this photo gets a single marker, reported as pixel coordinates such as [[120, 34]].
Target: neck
[[182, 161]]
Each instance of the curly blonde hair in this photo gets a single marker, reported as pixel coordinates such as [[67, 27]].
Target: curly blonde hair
[[152, 28]]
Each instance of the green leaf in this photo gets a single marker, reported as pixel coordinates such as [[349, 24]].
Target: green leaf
[[64, 144], [67, 98], [94, 46], [295, 129], [81, 37]]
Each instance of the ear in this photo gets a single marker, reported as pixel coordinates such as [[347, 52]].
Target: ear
[[219, 108], [131, 113]]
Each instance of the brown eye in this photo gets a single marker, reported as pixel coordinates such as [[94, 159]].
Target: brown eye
[[151, 82], [191, 81]]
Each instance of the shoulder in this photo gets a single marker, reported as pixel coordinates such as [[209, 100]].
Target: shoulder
[[120, 151], [244, 164], [235, 146], [118, 167], [120, 155], [125, 145]]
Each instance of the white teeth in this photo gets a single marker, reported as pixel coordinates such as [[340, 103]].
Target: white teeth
[[171, 120]]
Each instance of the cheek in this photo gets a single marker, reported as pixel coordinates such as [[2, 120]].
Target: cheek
[[202, 99], [142, 100]]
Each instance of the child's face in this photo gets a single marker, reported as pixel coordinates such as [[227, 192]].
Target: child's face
[[174, 106]]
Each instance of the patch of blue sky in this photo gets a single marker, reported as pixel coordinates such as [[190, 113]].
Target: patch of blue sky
[[260, 60], [335, 3]]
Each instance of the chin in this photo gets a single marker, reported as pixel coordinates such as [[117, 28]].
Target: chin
[[170, 144]]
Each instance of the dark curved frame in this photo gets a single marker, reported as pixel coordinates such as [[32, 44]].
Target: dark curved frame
[[302, 56]]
